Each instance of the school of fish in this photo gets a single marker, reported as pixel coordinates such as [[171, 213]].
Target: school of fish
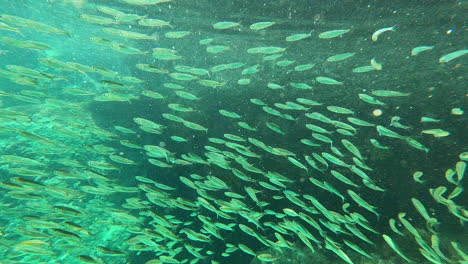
[[197, 177]]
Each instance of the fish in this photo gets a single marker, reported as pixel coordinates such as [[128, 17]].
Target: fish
[[4, 26], [376, 65], [361, 202], [151, 22], [265, 50], [99, 20], [452, 55], [377, 33], [415, 51], [339, 110], [34, 25], [340, 57], [225, 25], [359, 122], [377, 144], [26, 44], [246, 249], [186, 95], [342, 178], [229, 114], [389, 93], [127, 34], [177, 34], [388, 133], [261, 25], [392, 244], [145, 2], [297, 37], [333, 33], [365, 68], [327, 80], [297, 163], [303, 67], [352, 148]]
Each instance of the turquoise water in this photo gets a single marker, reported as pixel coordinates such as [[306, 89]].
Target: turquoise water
[[183, 132]]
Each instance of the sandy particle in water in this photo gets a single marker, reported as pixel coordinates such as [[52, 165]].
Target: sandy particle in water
[[377, 112]]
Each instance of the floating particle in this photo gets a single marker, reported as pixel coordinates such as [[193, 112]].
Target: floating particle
[[377, 112]]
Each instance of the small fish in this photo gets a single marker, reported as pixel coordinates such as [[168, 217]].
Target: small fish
[[456, 111], [297, 37], [297, 163], [274, 127], [265, 50], [339, 176], [395, 248], [340, 110], [217, 48], [246, 126], [285, 63], [417, 176], [453, 55], [186, 95], [428, 119], [149, 22], [304, 67], [377, 144], [229, 114], [334, 160], [146, 2], [333, 33], [340, 57], [308, 102], [93, 19], [176, 34], [326, 80], [194, 126], [361, 202], [389, 93], [417, 50], [247, 250], [225, 25], [376, 65], [376, 34], [388, 133], [267, 257], [365, 68], [352, 148], [243, 81], [261, 25], [359, 122], [437, 132], [300, 85], [415, 144]]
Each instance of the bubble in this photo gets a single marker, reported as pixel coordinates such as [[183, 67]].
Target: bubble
[[377, 112]]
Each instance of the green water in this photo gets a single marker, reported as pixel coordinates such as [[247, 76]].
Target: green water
[[83, 181]]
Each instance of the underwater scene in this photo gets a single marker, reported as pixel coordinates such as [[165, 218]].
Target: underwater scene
[[233, 131]]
